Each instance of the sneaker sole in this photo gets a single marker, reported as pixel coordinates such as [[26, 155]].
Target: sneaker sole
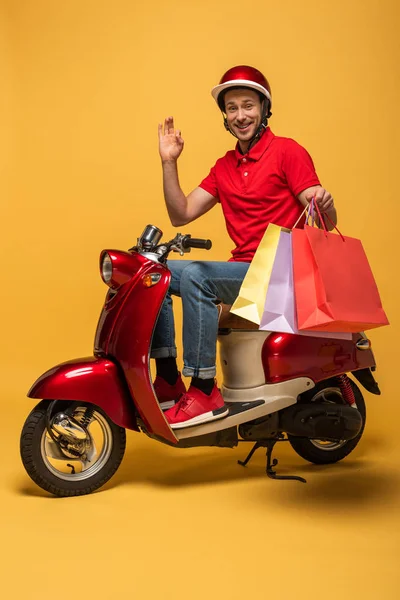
[[219, 413]]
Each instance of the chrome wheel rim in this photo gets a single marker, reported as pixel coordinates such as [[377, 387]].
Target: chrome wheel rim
[[98, 450], [323, 397]]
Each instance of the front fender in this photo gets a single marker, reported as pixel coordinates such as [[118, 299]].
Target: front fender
[[91, 379]]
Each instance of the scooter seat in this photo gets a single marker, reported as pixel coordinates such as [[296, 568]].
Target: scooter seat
[[229, 321]]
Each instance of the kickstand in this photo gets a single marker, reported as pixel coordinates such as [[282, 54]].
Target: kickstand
[[244, 462], [269, 470], [269, 444]]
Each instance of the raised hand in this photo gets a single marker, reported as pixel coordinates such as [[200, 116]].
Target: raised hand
[[170, 140]]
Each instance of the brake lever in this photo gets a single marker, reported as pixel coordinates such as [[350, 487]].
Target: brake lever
[[179, 249]]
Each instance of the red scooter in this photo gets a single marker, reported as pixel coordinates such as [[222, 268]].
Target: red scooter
[[279, 387]]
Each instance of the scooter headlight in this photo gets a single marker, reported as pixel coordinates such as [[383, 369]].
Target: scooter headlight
[[106, 268], [117, 268]]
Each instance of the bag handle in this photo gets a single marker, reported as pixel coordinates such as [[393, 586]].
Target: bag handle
[[301, 216], [311, 213], [322, 220], [313, 206], [309, 209]]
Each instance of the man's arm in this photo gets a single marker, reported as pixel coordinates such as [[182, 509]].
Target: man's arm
[[325, 203], [181, 209]]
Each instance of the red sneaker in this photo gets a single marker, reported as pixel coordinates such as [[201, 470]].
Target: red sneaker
[[168, 395], [196, 407]]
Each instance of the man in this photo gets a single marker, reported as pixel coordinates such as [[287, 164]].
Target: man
[[266, 179]]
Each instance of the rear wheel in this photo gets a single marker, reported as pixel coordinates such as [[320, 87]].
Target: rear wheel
[[322, 452], [74, 463]]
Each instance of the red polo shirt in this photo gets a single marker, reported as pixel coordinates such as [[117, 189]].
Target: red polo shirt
[[260, 187]]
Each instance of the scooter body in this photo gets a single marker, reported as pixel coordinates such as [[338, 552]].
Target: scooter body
[[263, 372]]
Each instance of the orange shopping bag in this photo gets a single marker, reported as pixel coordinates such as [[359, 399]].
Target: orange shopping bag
[[335, 289]]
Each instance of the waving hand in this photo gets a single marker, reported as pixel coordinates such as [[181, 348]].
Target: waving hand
[[170, 140]]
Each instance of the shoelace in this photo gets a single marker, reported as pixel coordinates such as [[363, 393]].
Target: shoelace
[[182, 403]]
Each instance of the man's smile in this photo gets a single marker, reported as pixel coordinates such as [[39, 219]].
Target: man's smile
[[243, 127]]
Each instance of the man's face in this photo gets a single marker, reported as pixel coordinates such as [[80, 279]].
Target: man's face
[[243, 112]]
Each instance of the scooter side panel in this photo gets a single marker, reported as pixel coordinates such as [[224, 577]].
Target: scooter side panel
[[130, 341], [90, 379], [115, 299], [286, 356]]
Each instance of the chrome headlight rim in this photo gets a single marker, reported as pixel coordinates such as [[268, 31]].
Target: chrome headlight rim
[[106, 268]]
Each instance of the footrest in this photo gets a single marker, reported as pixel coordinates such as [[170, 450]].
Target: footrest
[[239, 407]]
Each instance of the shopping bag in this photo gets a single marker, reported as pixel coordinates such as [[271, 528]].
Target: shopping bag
[[251, 299], [334, 287], [279, 310]]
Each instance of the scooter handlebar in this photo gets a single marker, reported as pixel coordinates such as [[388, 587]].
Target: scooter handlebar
[[190, 242]]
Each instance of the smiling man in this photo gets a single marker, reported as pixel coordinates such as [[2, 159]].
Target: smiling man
[[265, 179], [242, 107]]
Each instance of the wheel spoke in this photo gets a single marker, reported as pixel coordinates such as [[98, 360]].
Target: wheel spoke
[[91, 454]]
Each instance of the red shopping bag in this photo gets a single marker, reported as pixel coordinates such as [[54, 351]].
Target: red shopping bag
[[335, 289]]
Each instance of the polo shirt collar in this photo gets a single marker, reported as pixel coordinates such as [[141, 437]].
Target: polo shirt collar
[[258, 149]]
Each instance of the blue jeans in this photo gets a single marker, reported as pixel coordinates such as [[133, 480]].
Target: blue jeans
[[200, 285]]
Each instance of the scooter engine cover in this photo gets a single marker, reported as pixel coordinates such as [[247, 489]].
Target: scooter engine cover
[[321, 421], [259, 429]]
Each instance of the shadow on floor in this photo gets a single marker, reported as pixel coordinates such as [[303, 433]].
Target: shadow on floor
[[362, 478]]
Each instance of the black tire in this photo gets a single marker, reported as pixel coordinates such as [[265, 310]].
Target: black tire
[[308, 449], [33, 442]]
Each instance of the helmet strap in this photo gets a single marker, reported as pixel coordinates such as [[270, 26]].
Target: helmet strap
[[227, 126], [265, 114]]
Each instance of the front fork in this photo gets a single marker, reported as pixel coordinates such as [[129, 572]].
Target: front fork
[[70, 436]]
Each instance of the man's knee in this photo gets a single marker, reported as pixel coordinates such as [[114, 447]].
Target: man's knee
[[194, 274]]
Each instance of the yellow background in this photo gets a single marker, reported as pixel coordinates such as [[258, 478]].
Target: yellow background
[[83, 85]]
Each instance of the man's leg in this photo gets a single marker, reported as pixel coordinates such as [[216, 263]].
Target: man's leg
[[202, 285], [168, 384], [163, 343]]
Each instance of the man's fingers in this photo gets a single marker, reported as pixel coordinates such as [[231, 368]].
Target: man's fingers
[[166, 125], [326, 205], [319, 194], [322, 197], [168, 128]]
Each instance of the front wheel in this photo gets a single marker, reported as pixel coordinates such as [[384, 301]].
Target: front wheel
[[70, 449], [323, 452]]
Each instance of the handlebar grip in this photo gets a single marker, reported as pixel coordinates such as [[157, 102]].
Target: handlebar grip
[[190, 242]]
